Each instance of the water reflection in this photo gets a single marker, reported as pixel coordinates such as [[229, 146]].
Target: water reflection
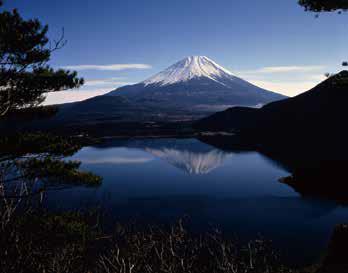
[[190, 156], [238, 190]]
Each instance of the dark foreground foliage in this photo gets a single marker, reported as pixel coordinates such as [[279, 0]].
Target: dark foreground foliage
[[36, 162], [40, 242], [72, 242], [33, 164], [176, 250], [29, 114]]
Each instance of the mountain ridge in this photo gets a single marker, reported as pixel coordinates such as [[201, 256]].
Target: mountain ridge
[[320, 110]]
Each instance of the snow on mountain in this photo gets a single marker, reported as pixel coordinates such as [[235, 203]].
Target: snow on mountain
[[192, 88], [188, 69], [195, 83]]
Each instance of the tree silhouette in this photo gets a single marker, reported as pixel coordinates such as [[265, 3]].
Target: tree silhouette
[[324, 5], [33, 164], [25, 76]]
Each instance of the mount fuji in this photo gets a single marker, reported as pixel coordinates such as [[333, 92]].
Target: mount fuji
[[191, 68], [192, 88], [196, 83]]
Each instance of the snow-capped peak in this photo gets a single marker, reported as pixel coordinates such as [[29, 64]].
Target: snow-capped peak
[[190, 68]]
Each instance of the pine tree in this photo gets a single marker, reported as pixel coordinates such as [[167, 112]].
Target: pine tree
[[25, 76]]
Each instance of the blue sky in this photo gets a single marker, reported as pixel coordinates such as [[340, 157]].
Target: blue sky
[[272, 43]]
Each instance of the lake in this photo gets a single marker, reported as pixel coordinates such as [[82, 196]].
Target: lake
[[158, 181]]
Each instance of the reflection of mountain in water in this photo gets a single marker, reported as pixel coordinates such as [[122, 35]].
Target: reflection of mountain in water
[[189, 155], [191, 162]]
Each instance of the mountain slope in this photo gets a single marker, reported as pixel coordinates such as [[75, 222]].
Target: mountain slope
[[196, 83], [320, 111]]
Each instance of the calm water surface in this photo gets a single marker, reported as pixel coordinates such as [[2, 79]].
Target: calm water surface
[[160, 180]]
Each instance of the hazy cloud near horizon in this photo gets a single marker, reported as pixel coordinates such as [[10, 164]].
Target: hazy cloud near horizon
[[71, 96], [285, 69], [107, 67], [91, 88], [94, 86], [287, 80], [110, 82]]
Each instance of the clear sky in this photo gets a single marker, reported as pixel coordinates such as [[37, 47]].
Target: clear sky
[[271, 43]]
